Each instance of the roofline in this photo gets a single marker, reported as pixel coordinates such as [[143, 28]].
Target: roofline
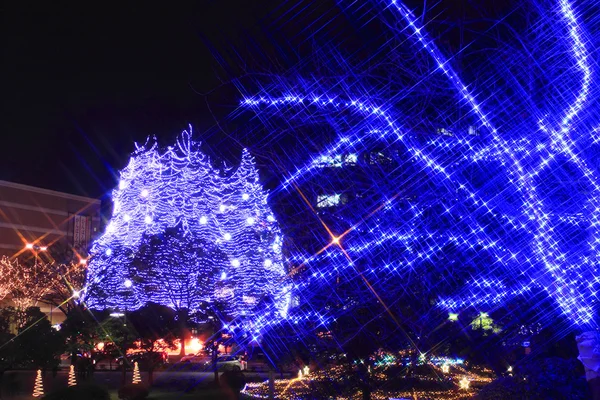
[[49, 192]]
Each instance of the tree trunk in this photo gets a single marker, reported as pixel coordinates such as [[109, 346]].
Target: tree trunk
[[271, 384], [182, 316], [588, 344], [364, 381], [214, 363]]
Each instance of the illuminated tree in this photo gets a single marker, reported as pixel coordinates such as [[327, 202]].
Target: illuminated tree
[[66, 284], [28, 283], [6, 280], [38, 387], [499, 200], [72, 380], [156, 329], [137, 378], [227, 244], [31, 282]]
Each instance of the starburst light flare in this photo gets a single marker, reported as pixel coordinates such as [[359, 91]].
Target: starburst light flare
[[508, 210], [187, 235]]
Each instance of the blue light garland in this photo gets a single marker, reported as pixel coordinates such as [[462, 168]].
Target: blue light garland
[[514, 233], [188, 236]]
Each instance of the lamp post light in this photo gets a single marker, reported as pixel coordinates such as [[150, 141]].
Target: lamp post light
[[128, 284], [36, 249]]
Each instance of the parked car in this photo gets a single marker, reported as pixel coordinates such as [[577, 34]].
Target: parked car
[[228, 363], [67, 359], [145, 360], [199, 358], [257, 362], [107, 363]]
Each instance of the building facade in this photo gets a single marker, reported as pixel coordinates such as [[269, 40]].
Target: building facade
[[33, 221]]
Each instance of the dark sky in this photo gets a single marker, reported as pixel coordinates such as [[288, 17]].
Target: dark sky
[[82, 82]]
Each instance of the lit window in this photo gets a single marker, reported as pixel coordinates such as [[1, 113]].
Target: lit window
[[351, 159], [245, 196], [203, 220], [227, 236], [249, 220], [473, 130], [148, 219], [249, 299], [268, 263], [235, 262], [445, 132], [329, 161], [328, 200], [380, 158], [145, 193]]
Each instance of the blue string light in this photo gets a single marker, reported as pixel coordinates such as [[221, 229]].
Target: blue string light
[[227, 245], [527, 242]]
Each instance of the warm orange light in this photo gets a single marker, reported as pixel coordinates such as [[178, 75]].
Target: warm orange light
[[82, 261], [43, 248], [194, 345], [100, 346], [335, 240], [29, 246]]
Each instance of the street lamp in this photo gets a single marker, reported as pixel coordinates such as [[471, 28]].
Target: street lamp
[[36, 249], [128, 284]]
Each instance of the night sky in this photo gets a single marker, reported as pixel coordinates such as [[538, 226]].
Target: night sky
[[81, 83]]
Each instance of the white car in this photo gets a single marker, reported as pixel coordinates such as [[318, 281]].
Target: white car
[[199, 358], [224, 363], [228, 363]]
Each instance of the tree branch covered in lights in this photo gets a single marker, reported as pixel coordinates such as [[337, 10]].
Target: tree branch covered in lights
[[186, 235], [6, 280], [26, 284], [503, 202], [32, 283]]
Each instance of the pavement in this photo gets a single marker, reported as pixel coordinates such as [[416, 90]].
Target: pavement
[[17, 385]]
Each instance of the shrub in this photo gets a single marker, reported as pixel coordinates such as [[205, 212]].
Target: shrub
[[133, 392], [83, 391], [548, 378], [234, 380]]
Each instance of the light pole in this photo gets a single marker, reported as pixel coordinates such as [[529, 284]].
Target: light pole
[[127, 285], [36, 249]]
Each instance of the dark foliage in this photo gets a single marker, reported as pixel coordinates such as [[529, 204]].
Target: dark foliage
[[548, 379], [38, 343], [233, 381]]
